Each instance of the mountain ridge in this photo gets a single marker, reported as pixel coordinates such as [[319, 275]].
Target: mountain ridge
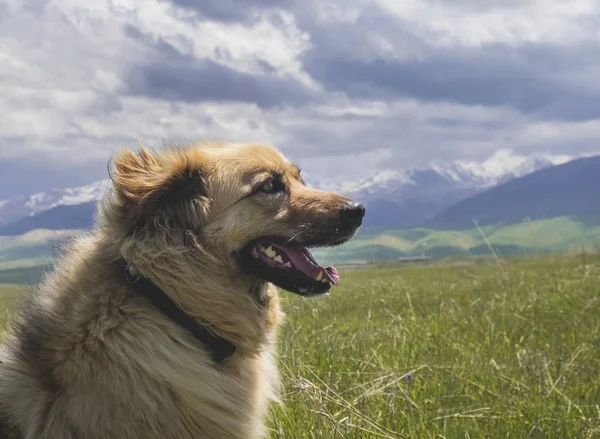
[[21, 206], [394, 197], [570, 189]]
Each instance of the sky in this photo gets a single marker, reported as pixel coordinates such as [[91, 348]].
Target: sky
[[344, 87]]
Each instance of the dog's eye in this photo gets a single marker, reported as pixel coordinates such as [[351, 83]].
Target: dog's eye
[[272, 186]]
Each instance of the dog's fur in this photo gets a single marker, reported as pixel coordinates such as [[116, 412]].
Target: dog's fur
[[87, 358]]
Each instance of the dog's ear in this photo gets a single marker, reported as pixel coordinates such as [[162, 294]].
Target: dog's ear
[[148, 183], [138, 177]]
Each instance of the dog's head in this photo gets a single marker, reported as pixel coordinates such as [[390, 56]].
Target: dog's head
[[245, 206]]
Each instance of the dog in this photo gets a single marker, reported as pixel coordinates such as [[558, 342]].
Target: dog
[[161, 322]]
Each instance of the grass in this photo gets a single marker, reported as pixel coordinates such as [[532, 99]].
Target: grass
[[443, 351], [9, 295], [506, 351]]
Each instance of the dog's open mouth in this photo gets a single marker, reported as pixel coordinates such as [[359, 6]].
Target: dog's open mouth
[[289, 266], [298, 258]]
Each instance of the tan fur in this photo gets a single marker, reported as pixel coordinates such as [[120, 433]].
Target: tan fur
[[87, 358]]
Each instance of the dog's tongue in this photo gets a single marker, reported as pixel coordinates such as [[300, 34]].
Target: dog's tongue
[[304, 261]]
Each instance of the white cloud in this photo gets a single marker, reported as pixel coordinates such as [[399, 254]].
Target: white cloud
[[473, 23], [369, 83]]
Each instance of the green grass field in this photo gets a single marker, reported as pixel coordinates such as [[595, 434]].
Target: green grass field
[[9, 295], [456, 351], [508, 351], [527, 238]]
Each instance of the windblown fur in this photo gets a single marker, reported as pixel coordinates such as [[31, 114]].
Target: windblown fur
[[85, 357]]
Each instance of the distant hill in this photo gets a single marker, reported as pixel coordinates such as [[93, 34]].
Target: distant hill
[[571, 189], [20, 256], [77, 216]]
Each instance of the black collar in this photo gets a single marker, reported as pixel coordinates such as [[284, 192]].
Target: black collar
[[219, 348]]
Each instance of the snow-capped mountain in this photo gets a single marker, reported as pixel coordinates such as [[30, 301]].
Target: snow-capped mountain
[[394, 198], [23, 206], [410, 197], [567, 190], [479, 175]]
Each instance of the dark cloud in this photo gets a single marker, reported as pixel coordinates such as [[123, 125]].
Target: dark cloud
[[437, 79], [531, 79], [174, 76], [230, 10], [345, 57], [359, 38], [348, 56], [478, 5]]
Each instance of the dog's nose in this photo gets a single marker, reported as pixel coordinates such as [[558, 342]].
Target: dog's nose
[[352, 211]]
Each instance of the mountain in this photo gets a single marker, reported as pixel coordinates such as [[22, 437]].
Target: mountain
[[411, 197], [571, 189], [63, 217], [394, 198], [23, 206]]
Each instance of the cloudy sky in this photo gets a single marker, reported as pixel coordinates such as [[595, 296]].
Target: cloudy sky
[[345, 87]]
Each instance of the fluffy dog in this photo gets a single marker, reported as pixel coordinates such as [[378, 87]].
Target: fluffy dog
[[161, 322]]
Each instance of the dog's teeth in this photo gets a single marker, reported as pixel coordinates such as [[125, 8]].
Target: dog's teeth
[[255, 252], [325, 280], [319, 276], [278, 259], [270, 252], [288, 265]]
